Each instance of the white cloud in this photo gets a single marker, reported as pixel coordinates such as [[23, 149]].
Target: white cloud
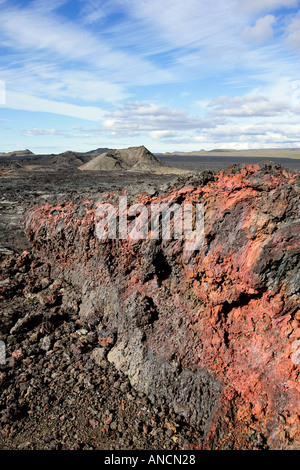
[[245, 106], [169, 125], [280, 100], [267, 117], [162, 135], [22, 101], [252, 135], [261, 32], [160, 123], [141, 117]]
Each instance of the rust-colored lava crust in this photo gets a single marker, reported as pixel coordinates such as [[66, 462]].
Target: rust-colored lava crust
[[215, 332]]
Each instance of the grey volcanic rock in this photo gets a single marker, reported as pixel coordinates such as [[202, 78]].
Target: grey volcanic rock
[[64, 159], [105, 162], [133, 158]]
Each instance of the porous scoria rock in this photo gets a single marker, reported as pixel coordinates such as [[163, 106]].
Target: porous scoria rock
[[214, 332]]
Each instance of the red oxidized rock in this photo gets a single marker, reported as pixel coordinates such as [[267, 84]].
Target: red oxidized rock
[[214, 332]]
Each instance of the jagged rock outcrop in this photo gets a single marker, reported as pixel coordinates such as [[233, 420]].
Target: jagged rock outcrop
[[214, 332], [133, 158], [105, 162], [63, 160]]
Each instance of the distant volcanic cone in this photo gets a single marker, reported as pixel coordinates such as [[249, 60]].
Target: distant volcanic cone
[[133, 158]]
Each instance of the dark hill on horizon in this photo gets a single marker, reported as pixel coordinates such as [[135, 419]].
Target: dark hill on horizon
[[93, 153], [261, 153], [16, 153]]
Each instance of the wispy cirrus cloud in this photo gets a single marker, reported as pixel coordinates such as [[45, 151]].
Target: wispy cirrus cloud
[[257, 6], [69, 41], [2, 92], [60, 60], [92, 11], [38, 132], [42, 79], [22, 101], [148, 45], [293, 33]]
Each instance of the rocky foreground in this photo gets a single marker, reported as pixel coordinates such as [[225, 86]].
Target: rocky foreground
[[141, 344]]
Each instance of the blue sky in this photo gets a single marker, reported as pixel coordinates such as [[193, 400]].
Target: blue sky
[[168, 74]]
